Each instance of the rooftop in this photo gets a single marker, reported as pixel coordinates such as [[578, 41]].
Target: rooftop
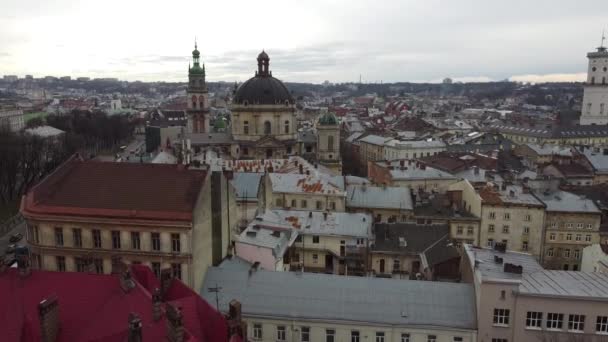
[[510, 194], [116, 190], [297, 183], [275, 237], [365, 196], [491, 270], [407, 238], [44, 131], [564, 201], [247, 185], [324, 297], [316, 223], [415, 171], [597, 159], [567, 284]]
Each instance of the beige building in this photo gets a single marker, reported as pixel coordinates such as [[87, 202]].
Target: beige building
[[303, 192], [328, 142], [510, 215], [396, 149], [517, 300], [371, 148], [572, 223], [412, 174], [595, 258], [263, 116], [86, 213], [385, 204], [291, 306]]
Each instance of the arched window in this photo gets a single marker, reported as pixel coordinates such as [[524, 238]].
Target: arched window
[[201, 101], [286, 126], [267, 127], [330, 143], [193, 101]]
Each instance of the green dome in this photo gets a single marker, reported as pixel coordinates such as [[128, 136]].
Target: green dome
[[328, 119], [219, 123], [196, 70], [196, 53]]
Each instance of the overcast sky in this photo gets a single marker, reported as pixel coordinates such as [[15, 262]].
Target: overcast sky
[[308, 41]]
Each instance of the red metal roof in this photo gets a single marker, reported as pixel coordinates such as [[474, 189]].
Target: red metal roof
[[117, 190], [93, 307]]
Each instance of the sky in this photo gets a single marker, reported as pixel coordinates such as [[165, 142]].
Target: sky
[[307, 41]]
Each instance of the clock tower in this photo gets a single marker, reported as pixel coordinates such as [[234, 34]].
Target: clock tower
[[197, 96], [595, 97]]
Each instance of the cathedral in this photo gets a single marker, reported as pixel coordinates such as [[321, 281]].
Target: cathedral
[[263, 121]]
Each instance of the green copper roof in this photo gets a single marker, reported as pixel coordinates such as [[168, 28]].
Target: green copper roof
[[196, 53], [197, 70], [219, 123], [328, 119]]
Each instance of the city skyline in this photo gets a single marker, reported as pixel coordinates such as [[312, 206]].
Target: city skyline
[[307, 42]]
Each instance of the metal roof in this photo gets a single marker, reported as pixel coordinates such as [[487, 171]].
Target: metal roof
[[324, 297], [568, 202], [247, 185], [581, 285], [297, 183], [365, 196], [492, 270]]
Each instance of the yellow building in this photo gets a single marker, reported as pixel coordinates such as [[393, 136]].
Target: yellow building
[[86, 213], [303, 192]]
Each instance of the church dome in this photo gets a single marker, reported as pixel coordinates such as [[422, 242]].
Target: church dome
[[263, 89], [328, 119]]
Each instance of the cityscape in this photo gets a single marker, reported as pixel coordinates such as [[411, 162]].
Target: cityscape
[[222, 206]]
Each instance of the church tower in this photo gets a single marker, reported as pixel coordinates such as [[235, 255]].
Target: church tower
[[595, 98], [328, 142], [197, 96]]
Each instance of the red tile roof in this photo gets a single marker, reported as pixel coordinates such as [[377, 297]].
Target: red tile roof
[[117, 190], [93, 307]]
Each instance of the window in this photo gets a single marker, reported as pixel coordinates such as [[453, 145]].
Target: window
[[566, 253], [507, 216], [315, 239], [601, 324], [96, 238], [459, 230], [177, 270], [550, 252], [115, 239], [524, 246], [505, 229], [315, 258], [553, 224], [293, 203], [355, 336], [176, 245], [552, 236], [457, 339], [569, 237], [569, 225], [379, 336], [303, 204], [499, 340], [155, 237], [257, 331], [330, 143], [396, 265], [578, 237], [286, 126], [332, 205], [299, 238], [281, 333], [490, 243], [135, 241], [60, 261], [267, 127], [279, 202], [431, 338], [492, 215], [555, 320], [580, 225], [589, 108], [360, 241], [330, 335], [156, 269], [405, 337], [319, 205], [577, 254], [469, 230], [527, 217], [588, 238], [501, 317], [305, 336], [81, 265], [601, 104], [77, 237], [576, 322], [534, 319], [98, 265], [526, 230], [58, 236], [245, 129]]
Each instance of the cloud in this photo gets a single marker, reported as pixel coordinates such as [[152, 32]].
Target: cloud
[[531, 78]]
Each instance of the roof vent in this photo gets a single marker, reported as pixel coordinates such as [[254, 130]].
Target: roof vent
[[497, 259], [510, 268], [402, 242], [252, 234]]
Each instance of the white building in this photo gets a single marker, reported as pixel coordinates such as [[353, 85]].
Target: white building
[[295, 306], [595, 258], [396, 149], [595, 98]]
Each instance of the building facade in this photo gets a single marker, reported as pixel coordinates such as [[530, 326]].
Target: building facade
[[197, 96], [328, 142], [595, 97], [12, 119]]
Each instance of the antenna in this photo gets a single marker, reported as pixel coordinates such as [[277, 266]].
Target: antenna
[[603, 38], [195, 44]]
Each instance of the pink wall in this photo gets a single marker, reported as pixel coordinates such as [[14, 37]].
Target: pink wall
[[255, 253]]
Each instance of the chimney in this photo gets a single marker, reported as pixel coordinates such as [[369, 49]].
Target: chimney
[[48, 313], [236, 326], [134, 328], [166, 278], [23, 261], [156, 305], [301, 168], [126, 281], [316, 166], [175, 324], [254, 268], [310, 214]]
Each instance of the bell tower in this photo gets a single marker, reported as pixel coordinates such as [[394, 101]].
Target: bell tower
[[328, 142], [197, 95], [595, 96]]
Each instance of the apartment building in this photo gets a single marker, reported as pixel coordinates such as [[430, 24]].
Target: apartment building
[[303, 192], [396, 149], [384, 203], [572, 222], [517, 300], [412, 174], [86, 213], [12, 119], [371, 148], [510, 215], [292, 306], [595, 258]]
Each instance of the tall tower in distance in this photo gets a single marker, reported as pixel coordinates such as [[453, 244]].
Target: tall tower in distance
[[328, 142], [595, 99], [197, 95]]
